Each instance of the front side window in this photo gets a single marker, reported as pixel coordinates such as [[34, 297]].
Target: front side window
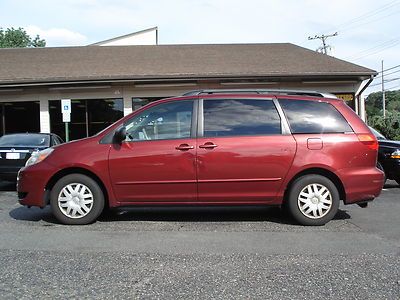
[[241, 117], [313, 117], [165, 121]]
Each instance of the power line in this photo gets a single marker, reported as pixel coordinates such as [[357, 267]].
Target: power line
[[362, 17], [385, 81], [394, 72], [382, 49], [384, 44], [391, 68]]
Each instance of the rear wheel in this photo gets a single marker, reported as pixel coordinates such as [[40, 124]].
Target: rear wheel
[[76, 199], [313, 200]]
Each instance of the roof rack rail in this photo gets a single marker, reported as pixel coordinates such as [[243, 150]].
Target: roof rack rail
[[260, 91]]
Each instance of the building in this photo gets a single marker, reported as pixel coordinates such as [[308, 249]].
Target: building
[[144, 37], [108, 82]]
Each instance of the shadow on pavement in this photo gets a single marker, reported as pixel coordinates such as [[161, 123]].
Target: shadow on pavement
[[176, 214], [34, 214], [205, 214]]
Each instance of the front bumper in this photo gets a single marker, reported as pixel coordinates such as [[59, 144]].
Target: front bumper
[[392, 168], [31, 184], [361, 184]]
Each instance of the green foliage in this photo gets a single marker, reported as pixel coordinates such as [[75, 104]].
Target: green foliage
[[18, 38], [390, 126]]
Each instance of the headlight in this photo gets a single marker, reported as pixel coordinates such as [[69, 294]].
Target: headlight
[[395, 154], [38, 156]]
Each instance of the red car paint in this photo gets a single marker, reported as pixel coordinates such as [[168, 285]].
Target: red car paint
[[212, 171]]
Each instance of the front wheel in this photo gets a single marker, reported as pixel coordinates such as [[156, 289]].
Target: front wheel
[[76, 199], [313, 200]]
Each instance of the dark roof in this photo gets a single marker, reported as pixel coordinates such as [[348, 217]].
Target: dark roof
[[89, 63]]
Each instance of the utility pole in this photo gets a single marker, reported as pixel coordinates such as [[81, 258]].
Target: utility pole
[[324, 48], [383, 95]]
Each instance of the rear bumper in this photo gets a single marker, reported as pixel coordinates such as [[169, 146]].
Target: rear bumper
[[361, 184], [31, 184]]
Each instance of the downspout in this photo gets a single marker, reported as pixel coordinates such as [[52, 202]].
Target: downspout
[[361, 105]]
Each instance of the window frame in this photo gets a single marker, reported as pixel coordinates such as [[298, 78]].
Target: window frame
[[193, 125], [283, 122]]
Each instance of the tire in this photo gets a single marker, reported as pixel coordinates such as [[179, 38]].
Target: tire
[[76, 199], [380, 167], [313, 200]]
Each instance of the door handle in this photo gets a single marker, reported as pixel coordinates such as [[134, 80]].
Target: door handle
[[208, 145], [184, 147]]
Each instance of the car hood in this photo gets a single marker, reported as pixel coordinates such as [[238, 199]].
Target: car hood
[[390, 144]]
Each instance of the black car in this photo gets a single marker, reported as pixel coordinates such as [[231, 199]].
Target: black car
[[388, 156], [16, 149]]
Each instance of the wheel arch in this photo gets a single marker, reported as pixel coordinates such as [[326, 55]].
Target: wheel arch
[[318, 171], [76, 170]]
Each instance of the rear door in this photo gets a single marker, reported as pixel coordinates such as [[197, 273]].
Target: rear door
[[244, 150]]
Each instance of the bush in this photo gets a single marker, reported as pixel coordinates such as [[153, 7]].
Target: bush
[[389, 126]]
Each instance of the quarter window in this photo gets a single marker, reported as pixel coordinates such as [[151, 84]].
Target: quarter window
[[313, 117], [240, 118], [165, 121]]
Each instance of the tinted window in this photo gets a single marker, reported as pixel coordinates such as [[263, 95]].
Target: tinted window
[[165, 121], [240, 117], [27, 140], [313, 117]]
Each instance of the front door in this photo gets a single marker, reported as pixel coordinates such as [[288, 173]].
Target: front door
[[243, 155], [156, 162]]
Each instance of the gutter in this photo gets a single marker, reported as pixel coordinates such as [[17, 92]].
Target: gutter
[[361, 106]]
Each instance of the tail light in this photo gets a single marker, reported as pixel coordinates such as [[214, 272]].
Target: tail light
[[368, 140]]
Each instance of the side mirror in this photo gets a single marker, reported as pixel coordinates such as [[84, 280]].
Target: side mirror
[[120, 135]]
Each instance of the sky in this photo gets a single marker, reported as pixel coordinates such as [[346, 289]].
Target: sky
[[368, 30]]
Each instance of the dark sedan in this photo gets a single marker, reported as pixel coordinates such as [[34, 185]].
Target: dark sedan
[[388, 156], [16, 149]]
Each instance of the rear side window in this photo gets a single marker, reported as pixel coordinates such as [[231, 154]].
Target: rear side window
[[232, 117], [313, 117]]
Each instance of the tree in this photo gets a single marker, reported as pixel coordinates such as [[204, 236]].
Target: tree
[[18, 38], [389, 126]]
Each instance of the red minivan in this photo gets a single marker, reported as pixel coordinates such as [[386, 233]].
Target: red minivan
[[301, 152]]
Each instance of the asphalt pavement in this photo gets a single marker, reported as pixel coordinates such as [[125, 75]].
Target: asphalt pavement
[[201, 253]]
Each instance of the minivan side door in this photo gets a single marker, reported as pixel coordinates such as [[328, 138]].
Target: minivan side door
[[244, 150], [156, 162]]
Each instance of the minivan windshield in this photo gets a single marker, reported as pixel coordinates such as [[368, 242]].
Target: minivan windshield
[[25, 140]]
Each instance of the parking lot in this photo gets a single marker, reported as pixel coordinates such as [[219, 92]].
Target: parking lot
[[186, 253]]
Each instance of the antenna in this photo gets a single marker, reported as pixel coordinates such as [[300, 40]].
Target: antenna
[[324, 48]]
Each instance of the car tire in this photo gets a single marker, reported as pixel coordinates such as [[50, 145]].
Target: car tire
[[76, 199], [313, 200], [380, 167]]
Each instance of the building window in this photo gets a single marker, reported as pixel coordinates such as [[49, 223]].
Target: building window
[[87, 116], [139, 102], [19, 117]]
